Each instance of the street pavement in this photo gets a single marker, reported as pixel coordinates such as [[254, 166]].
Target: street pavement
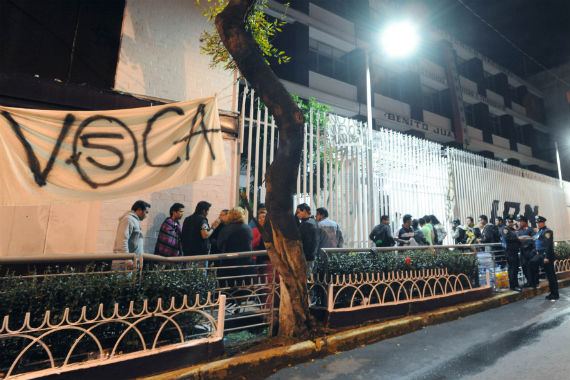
[[529, 339]]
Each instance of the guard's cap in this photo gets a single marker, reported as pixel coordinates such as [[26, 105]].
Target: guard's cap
[[509, 219], [456, 221], [540, 219], [522, 218]]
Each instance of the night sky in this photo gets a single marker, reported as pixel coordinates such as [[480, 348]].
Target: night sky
[[539, 27]]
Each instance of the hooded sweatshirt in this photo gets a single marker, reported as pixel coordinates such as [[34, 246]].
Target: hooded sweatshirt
[[129, 238]]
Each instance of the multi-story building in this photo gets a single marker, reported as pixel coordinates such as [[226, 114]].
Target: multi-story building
[[447, 92], [555, 84]]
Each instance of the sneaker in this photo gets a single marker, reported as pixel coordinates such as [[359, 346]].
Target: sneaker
[[516, 289], [552, 297]]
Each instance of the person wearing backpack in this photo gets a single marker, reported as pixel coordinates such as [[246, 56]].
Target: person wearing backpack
[[438, 230]]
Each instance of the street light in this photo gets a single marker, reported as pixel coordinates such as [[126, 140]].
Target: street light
[[398, 40]]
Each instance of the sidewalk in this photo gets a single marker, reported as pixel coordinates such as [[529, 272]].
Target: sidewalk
[[258, 365]]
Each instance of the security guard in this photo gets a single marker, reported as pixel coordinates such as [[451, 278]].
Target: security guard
[[511, 244], [525, 234], [545, 257]]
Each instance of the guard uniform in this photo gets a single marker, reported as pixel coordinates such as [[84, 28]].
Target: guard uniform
[[512, 245], [544, 241], [527, 249]]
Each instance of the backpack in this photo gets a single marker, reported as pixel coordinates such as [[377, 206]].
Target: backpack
[[440, 233]]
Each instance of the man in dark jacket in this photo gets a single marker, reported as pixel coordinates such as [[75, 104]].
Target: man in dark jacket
[[491, 234], [525, 234], [381, 235], [406, 232], [309, 233], [512, 244], [196, 231]]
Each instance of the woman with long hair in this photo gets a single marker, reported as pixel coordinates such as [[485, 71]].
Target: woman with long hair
[[236, 236]]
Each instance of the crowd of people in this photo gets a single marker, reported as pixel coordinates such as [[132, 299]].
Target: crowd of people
[[426, 230], [522, 246], [230, 233]]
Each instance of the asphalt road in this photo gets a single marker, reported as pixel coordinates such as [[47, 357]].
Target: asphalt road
[[529, 339]]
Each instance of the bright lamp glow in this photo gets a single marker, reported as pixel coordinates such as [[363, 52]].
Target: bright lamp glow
[[399, 39]]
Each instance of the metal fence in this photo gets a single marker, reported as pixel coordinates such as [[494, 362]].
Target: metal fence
[[246, 279], [246, 297], [359, 176], [81, 341]]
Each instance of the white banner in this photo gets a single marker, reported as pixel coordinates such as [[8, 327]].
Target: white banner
[[50, 156]]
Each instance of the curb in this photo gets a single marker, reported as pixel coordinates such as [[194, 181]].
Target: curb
[[263, 363]]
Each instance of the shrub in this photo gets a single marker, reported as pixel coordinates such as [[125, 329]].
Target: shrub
[[384, 262], [562, 250], [60, 288]]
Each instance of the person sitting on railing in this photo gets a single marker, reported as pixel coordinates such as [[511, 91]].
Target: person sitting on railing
[[381, 234], [169, 241]]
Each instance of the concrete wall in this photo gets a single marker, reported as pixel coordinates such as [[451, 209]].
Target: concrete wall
[[160, 54], [159, 57], [219, 190]]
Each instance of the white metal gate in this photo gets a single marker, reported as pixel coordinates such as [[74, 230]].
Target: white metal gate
[[411, 175]]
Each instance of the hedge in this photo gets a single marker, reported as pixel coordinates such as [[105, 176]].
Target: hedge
[[388, 261], [61, 288], [562, 250]]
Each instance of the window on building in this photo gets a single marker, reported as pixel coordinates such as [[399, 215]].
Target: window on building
[[327, 60], [519, 135], [496, 125], [435, 101], [469, 114]]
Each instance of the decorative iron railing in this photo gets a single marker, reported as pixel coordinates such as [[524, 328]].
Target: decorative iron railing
[[81, 341], [364, 290], [561, 266]]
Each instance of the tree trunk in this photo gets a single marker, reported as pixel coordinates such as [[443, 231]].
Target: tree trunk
[[285, 249]]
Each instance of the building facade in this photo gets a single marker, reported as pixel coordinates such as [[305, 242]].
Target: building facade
[[447, 92], [82, 55]]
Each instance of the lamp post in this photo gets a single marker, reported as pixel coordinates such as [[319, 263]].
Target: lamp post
[[398, 40]]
